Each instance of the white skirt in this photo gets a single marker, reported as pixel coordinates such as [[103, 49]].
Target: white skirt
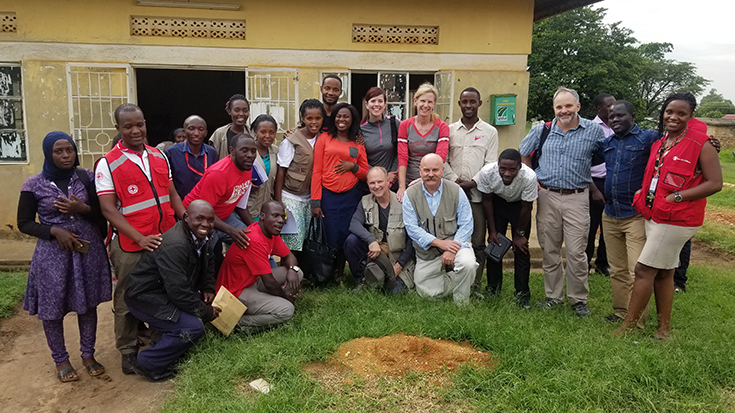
[[663, 244]]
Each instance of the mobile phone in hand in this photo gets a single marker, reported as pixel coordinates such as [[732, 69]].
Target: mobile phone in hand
[[84, 248]]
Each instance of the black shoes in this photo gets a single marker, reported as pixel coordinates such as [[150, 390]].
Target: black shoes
[[613, 318], [147, 374], [581, 309], [604, 271], [128, 360], [550, 303], [680, 288]]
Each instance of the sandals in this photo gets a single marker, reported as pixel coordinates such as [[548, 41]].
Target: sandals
[[95, 369], [63, 373]]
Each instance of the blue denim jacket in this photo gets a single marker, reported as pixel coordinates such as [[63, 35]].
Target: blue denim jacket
[[626, 160]]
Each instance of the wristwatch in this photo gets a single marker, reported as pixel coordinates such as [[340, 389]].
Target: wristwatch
[[677, 196], [521, 233], [295, 268]]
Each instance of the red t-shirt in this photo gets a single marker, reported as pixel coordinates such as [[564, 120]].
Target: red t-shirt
[[222, 185], [241, 268], [328, 151]]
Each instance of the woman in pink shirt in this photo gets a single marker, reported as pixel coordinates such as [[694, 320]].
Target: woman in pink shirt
[[420, 135]]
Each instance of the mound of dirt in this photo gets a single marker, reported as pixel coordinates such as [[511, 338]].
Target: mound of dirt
[[395, 355]]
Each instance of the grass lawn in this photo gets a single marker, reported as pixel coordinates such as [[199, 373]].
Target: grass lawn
[[720, 232], [12, 288], [548, 361]]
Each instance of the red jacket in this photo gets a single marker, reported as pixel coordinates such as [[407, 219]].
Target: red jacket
[[144, 204], [679, 171]]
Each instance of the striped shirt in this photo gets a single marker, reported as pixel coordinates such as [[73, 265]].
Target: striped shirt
[[566, 158]]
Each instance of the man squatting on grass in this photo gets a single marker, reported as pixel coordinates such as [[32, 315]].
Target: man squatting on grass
[[267, 292], [172, 289]]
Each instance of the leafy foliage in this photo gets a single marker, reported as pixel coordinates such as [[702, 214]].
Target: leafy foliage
[[714, 105], [577, 49]]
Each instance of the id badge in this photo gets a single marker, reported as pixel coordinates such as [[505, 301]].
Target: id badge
[[654, 184]]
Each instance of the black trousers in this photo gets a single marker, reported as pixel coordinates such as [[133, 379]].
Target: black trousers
[[505, 213], [680, 274], [595, 223]]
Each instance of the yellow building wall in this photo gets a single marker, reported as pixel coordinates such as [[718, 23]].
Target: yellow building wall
[[479, 26]]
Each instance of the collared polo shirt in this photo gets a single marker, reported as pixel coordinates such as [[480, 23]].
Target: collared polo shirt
[[626, 160], [598, 171], [187, 174], [566, 157], [470, 150], [464, 218]]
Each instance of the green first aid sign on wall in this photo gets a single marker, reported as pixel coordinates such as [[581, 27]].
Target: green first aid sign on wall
[[503, 109]]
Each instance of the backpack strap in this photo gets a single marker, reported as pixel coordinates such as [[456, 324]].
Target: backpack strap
[[394, 133]]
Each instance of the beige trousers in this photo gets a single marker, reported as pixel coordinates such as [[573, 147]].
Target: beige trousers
[[624, 240], [432, 281], [564, 219]]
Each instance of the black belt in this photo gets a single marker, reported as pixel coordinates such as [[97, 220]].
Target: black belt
[[562, 191]]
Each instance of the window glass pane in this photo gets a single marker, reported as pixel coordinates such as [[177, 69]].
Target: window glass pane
[[12, 130]]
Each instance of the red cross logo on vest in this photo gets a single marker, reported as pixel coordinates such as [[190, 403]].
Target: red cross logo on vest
[[133, 189]]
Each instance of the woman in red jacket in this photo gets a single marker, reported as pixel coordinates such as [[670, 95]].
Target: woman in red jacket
[[682, 171], [339, 165]]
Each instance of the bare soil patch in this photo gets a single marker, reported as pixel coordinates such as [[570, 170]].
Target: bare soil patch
[[28, 380], [397, 373]]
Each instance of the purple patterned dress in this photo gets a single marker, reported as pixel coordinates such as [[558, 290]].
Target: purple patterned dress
[[60, 281]]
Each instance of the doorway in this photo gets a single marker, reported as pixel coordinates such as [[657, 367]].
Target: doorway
[[168, 96], [400, 97]]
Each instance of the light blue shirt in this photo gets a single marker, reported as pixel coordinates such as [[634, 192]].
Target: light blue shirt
[[566, 158], [465, 222]]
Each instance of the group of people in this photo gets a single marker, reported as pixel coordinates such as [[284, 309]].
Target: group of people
[[406, 204]]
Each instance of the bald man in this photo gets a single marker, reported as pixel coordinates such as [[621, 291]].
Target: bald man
[[191, 158], [172, 289], [438, 218]]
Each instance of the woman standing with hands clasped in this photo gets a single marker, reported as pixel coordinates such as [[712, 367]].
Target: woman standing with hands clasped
[[682, 171], [339, 165], [420, 135], [69, 270]]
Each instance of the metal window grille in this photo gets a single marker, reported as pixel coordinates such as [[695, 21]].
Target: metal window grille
[[187, 27], [346, 95], [94, 93], [13, 145], [375, 33], [274, 92]]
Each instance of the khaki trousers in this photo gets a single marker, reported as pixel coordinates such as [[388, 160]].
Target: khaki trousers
[[431, 281], [265, 309], [624, 239], [126, 325], [478, 240], [564, 219]]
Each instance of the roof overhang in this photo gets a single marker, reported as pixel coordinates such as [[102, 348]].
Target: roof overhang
[[547, 8]]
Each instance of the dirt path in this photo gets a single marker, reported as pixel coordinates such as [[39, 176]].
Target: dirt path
[[27, 373]]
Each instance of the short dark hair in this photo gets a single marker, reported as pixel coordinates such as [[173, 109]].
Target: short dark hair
[[332, 76], [235, 139], [125, 107], [510, 154], [629, 107], [260, 119], [354, 128], [235, 98], [473, 90], [600, 99]]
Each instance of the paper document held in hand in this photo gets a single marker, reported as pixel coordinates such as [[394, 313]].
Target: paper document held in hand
[[232, 310]]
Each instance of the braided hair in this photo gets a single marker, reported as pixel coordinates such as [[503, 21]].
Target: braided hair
[[685, 96], [310, 104]]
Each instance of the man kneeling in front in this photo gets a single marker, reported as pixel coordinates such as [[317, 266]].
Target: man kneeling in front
[[172, 289], [438, 219], [267, 292]]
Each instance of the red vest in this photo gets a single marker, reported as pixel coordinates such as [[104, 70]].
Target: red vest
[[144, 204], [679, 171]]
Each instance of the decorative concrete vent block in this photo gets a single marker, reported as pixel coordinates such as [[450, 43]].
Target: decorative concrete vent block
[[373, 33], [7, 22], [187, 27]]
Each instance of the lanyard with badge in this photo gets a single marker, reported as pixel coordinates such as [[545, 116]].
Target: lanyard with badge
[[193, 169], [662, 152]]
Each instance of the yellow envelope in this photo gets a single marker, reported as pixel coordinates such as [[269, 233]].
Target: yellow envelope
[[232, 311]]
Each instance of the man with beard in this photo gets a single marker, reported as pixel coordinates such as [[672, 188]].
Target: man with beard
[[563, 203], [267, 292], [438, 218], [190, 159], [473, 143], [172, 289], [331, 90]]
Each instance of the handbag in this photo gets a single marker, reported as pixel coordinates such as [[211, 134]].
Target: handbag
[[318, 257]]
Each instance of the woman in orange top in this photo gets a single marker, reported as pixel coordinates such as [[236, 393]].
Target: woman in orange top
[[339, 165]]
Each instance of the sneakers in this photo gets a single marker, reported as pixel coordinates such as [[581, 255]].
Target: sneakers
[[580, 309], [550, 303], [613, 318], [524, 303], [680, 288]]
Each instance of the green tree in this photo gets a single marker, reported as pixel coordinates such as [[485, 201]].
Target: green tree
[[577, 49], [714, 105]]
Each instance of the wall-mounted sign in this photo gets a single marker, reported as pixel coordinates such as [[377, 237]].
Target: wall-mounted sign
[[503, 109]]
